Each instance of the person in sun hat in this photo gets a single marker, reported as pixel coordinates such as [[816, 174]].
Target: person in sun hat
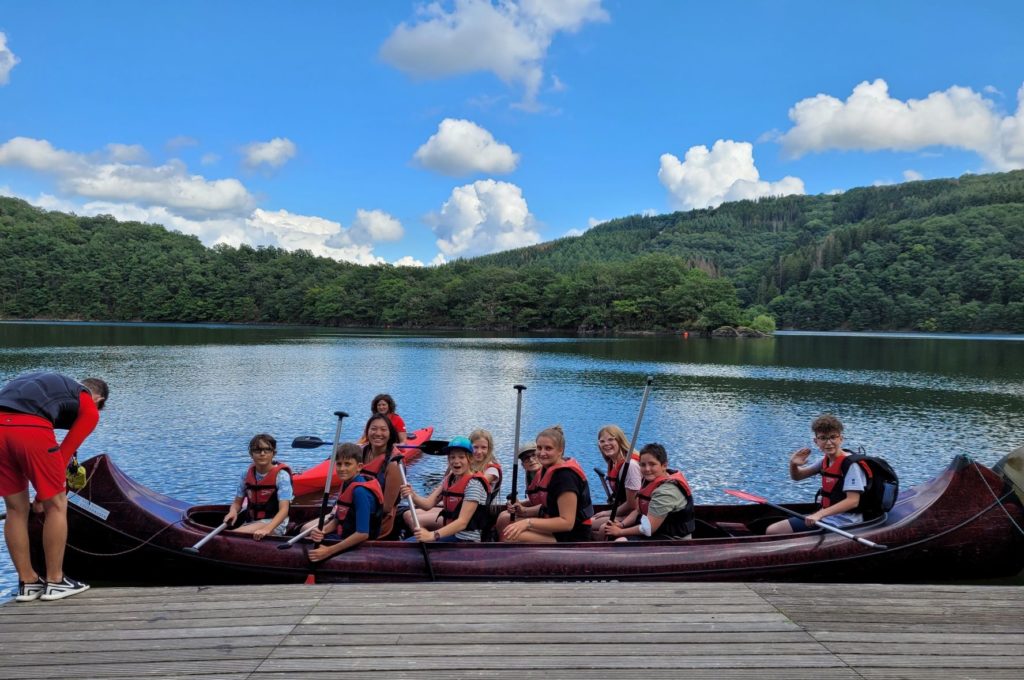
[[32, 406], [531, 467]]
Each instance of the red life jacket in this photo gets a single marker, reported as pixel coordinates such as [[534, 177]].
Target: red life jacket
[[832, 476], [613, 473], [493, 491], [533, 490], [549, 507], [262, 494], [346, 499], [379, 465], [453, 492], [678, 524]]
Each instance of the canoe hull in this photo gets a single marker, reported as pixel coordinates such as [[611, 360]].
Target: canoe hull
[[951, 528]]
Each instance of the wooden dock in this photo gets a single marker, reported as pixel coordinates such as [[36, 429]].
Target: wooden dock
[[543, 630]]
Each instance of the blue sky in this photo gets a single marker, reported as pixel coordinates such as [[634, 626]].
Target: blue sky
[[418, 133]]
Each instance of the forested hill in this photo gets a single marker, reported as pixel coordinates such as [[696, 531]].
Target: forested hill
[[936, 255]]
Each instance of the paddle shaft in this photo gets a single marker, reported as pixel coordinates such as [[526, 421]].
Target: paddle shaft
[[330, 473], [620, 486], [206, 539], [515, 454], [604, 482], [822, 525], [295, 539], [416, 521]]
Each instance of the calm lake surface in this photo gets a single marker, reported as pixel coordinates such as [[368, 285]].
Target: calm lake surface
[[185, 399]]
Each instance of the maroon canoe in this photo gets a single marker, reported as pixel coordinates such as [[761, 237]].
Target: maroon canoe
[[960, 525]]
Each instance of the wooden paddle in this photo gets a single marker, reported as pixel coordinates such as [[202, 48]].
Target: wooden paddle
[[341, 415], [821, 525], [620, 487]]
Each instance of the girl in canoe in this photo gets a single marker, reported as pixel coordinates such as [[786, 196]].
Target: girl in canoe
[[267, 487], [564, 512], [463, 495], [664, 505], [381, 460], [612, 443], [356, 516], [484, 460], [384, 404], [531, 468]]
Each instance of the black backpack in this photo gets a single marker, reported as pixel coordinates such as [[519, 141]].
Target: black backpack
[[883, 485]]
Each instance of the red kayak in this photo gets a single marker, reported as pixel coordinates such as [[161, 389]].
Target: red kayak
[[312, 481]]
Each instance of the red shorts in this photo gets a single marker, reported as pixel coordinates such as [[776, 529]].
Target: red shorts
[[29, 453]]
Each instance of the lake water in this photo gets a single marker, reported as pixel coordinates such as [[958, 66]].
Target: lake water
[[185, 399]]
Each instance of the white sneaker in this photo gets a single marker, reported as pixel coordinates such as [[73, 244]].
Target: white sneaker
[[66, 587], [30, 591]]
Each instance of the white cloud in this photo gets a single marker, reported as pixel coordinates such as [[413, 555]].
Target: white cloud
[[593, 222], [217, 211], [274, 153], [870, 119], [461, 147], [8, 60], [726, 173], [509, 38], [167, 185], [209, 159], [438, 260], [992, 89], [408, 261], [483, 217], [126, 153], [912, 176], [376, 225], [316, 234]]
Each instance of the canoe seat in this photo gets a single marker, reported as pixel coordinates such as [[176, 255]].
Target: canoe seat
[[734, 528]]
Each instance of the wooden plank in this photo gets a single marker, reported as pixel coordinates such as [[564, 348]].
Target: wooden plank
[[640, 671], [948, 646], [597, 654], [32, 645], [94, 635], [134, 670], [406, 635], [471, 628], [934, 661]]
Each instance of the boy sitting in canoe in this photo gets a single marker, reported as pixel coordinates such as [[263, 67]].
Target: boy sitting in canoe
[[267, 486], [357, 514], [664, 509], [840, 492]]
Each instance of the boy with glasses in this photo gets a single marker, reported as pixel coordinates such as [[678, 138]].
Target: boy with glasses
[[267, 490], [841, 482]]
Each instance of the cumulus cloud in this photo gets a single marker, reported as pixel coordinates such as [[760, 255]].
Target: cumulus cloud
[[870, 120], [912, 176], [168, 184], [371, 226], [126, 153], [180, 142], [408, 261], [461, 147], [725, 173], [274, 153], [509, 39], [215, 211], [483, 217], [7, 60]]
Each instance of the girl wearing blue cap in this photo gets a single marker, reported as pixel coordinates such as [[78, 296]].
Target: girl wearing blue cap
[[463, 495]]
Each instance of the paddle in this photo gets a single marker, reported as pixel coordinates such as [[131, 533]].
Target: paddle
[[515, 452], [205, 539], [431, 446], [416, 522], [822, 525], [3, 516], [604, 482], [295, 539], [620, 487], [311, 579]]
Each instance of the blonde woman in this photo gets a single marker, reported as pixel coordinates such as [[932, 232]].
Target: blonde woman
[[611, 442]]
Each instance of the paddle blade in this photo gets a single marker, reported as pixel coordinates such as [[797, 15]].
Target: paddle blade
[[746, 496], [191, 550], [311, 579], [307, 442]]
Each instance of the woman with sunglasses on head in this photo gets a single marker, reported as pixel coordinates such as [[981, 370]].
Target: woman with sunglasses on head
[[613, 446], [841, 482]]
